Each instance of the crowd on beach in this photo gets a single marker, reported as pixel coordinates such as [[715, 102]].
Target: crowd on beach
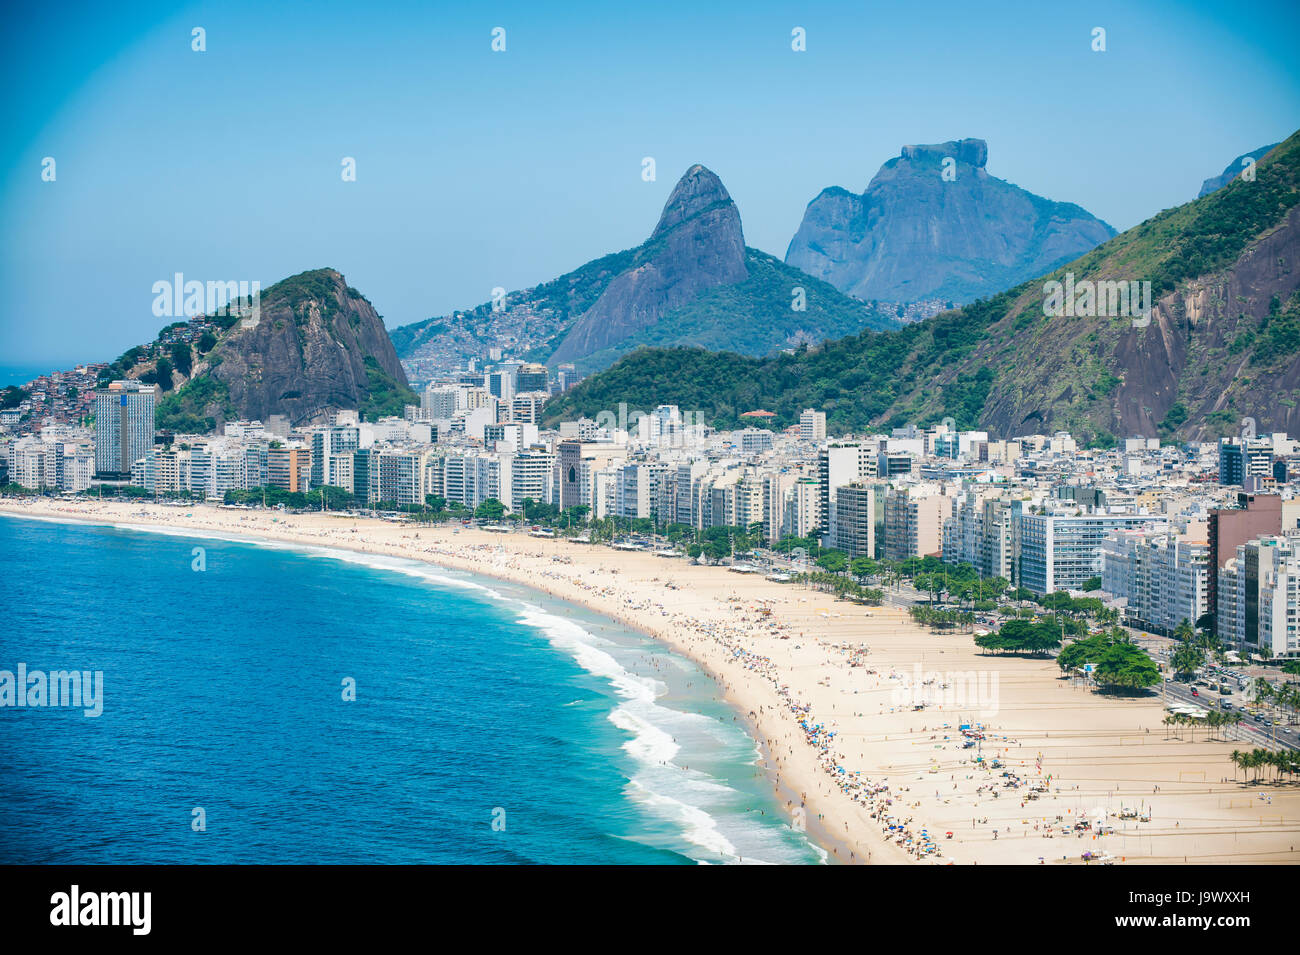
[[729, 635]]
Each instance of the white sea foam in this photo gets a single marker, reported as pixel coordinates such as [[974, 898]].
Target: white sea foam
[[667, 790], [652, 727], [697, 826]]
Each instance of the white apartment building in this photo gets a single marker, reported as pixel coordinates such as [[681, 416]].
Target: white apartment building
[[812, 425], [1162, 575]]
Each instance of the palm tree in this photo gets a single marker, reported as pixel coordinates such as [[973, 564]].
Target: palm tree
[[1237, 757], [1258, 759]]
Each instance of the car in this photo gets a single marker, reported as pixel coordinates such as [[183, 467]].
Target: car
[[1226, 705], [1258, 718], [1195, 692]]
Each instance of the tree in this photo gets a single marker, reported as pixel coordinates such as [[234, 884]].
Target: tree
[[835, 561], [1186, 660], [863, 567], [1091, 584], [1125, 666], [182, 358], [436, 502], [1022, 636], [490, 510], [160, 376]]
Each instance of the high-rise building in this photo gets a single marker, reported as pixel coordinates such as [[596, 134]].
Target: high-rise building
[[812, 425], [532, 377], [855, 520], [1161, 575], [838, 465], [438, 402], [1257, 515], [914, 523], [1063, 551], [289, 468], [124, 425], [1259, 597], [331, 455], [1240, 458]]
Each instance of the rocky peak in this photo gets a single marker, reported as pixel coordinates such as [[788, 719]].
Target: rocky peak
[[916, 234], [318, 346], [697, 244], [968, 152], [698, 190]]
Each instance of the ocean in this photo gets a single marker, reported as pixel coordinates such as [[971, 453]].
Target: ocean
[[490, 724]]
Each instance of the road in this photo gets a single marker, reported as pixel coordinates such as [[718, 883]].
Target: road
[[1257, 734]]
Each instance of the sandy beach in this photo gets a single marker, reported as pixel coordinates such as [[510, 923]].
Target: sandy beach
[[858, 709]]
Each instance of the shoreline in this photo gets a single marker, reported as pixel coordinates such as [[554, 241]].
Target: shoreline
[[818, 834], [776, 662]]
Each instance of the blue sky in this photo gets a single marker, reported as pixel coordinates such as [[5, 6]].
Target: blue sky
[[477, 169]]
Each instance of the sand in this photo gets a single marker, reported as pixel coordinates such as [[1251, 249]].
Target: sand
[[798, 665]]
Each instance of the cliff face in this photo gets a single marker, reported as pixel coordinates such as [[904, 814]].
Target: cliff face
[[925, 228], [697, 244], [318, 347], [692, 282]]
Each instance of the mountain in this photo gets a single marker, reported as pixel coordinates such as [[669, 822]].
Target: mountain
[[1232, 170], [317, 347], [693, 281], [918, 233], [1220, 343]]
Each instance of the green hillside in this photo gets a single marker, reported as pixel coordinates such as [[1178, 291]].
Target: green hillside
[[1224, 343]]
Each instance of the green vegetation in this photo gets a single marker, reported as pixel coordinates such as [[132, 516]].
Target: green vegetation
[[1282, 762], [751, 317], [1023, 636], [385, 394], [193, 407], [11, 397], [1118, 663], [182, 358], [1279, 331], [941, 619], [1207, 234], [841, 586], [317, 284], [844, 379], [161, 375], [490, 510], [129, 491], [326, 498]]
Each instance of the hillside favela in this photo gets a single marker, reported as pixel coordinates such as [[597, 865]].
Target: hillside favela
[[776, 447]]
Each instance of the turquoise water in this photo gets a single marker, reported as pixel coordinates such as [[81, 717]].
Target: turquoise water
[[490, 723]]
